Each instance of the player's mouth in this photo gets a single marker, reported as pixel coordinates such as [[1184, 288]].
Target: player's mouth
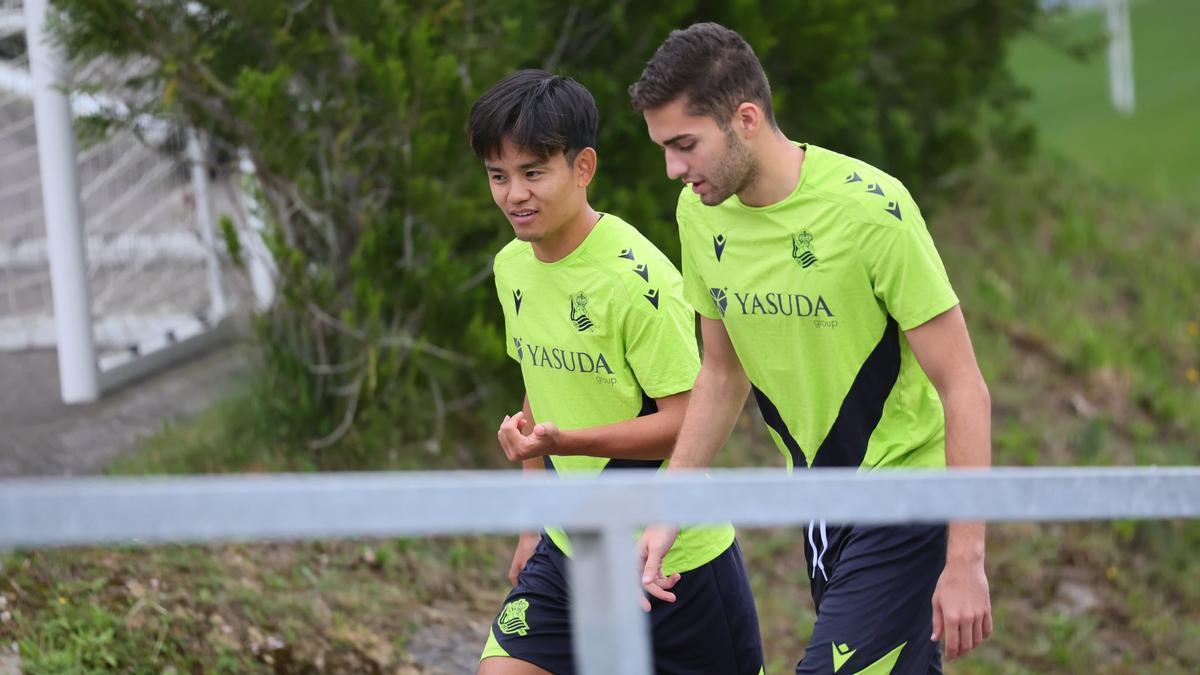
[[698, 185], [522, 216]]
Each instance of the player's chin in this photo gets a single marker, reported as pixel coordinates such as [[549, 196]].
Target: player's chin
[[714, 198], [528, 236]]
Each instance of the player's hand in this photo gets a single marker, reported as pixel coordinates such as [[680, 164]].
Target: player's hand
[[962, 608], [525, 546], [661, 589], [652, 547], [542, 440]]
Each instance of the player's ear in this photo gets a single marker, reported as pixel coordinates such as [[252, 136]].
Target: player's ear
[[748, 119], [584, 169]]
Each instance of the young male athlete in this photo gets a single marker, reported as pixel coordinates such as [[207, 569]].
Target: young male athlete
[[594, 314], [820, 290]]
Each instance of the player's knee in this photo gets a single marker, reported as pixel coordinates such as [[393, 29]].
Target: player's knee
[[506, 665]]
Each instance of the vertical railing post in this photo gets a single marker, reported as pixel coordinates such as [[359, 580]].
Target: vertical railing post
[[609, 631]]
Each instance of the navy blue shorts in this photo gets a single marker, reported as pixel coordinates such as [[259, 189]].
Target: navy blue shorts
[[712, 627], [873, 590]]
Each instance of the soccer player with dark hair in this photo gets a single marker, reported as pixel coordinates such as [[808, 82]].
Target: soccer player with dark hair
[[595, 317], [820, 290]]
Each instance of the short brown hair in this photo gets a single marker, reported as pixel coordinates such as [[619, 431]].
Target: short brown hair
[[712, 65]]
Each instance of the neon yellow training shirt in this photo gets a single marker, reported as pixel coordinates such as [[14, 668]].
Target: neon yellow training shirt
[[815, 292], [599, 335]]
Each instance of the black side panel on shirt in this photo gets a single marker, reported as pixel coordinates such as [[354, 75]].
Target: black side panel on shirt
[[846, 442], [770, 415]]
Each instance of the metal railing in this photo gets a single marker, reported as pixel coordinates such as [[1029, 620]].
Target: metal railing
[[602, 515]]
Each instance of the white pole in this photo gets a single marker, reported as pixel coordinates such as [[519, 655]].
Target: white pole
[[64, 214], [262, 265], [205, 222], [1120, 56]]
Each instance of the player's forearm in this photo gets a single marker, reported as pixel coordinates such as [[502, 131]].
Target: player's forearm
[[647, 437], [533, 463], [716, 403], [968, 445], [529, 467]]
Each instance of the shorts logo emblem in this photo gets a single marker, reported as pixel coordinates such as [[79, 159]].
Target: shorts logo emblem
[[512, 618], [841, 654]]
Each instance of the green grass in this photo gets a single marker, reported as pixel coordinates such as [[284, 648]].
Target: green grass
[[233, 436], [1092, 298], [321, 607], [240, 434], [1158, 148]]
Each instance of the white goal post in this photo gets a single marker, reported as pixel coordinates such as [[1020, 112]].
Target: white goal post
[[111, 253]]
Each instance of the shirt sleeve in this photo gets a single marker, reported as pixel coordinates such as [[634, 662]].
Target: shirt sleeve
[[695, 290], [906, 273], [660, 342], [505, 294]]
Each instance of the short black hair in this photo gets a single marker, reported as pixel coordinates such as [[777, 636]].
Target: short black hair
[[712, 65], [539, 112]]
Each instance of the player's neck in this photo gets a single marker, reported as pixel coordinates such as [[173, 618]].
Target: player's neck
[[779, 165], [570, 236]]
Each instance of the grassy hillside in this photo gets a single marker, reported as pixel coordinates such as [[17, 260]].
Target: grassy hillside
[[1158, 148]]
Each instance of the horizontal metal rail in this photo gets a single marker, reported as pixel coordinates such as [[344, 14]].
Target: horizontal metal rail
[[69, 511], [603, 514]]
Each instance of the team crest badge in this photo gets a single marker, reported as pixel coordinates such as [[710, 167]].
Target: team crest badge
[[579, 309], [802, 249]]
